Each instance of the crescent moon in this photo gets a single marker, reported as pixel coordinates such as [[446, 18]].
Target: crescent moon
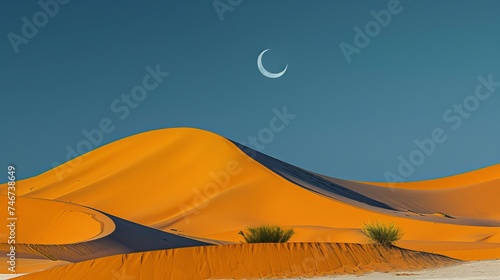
[[264, 71]]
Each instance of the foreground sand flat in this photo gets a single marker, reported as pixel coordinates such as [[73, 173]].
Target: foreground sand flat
[[482, 270]]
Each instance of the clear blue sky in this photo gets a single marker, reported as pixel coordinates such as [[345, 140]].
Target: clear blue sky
[[353, 119]]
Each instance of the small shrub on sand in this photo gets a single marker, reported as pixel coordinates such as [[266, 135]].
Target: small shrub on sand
[[382, 233], [267, 234]]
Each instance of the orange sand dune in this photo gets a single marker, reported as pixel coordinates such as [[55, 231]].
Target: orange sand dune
[[471, 202], [195, 183], [424, 203], [247, 261], [484, 175]]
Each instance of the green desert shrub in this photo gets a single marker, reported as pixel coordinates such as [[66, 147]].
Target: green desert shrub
[[385, 234], [267, 234]]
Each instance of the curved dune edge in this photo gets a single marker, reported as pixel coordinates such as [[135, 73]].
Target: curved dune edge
[[127, 237], [43, 221], [240, 261], [58, 231]]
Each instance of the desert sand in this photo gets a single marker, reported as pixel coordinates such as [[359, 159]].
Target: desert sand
[[175, 188], [481, 270]]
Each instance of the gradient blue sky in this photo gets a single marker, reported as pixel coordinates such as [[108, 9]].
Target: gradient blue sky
[[353, 119]]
